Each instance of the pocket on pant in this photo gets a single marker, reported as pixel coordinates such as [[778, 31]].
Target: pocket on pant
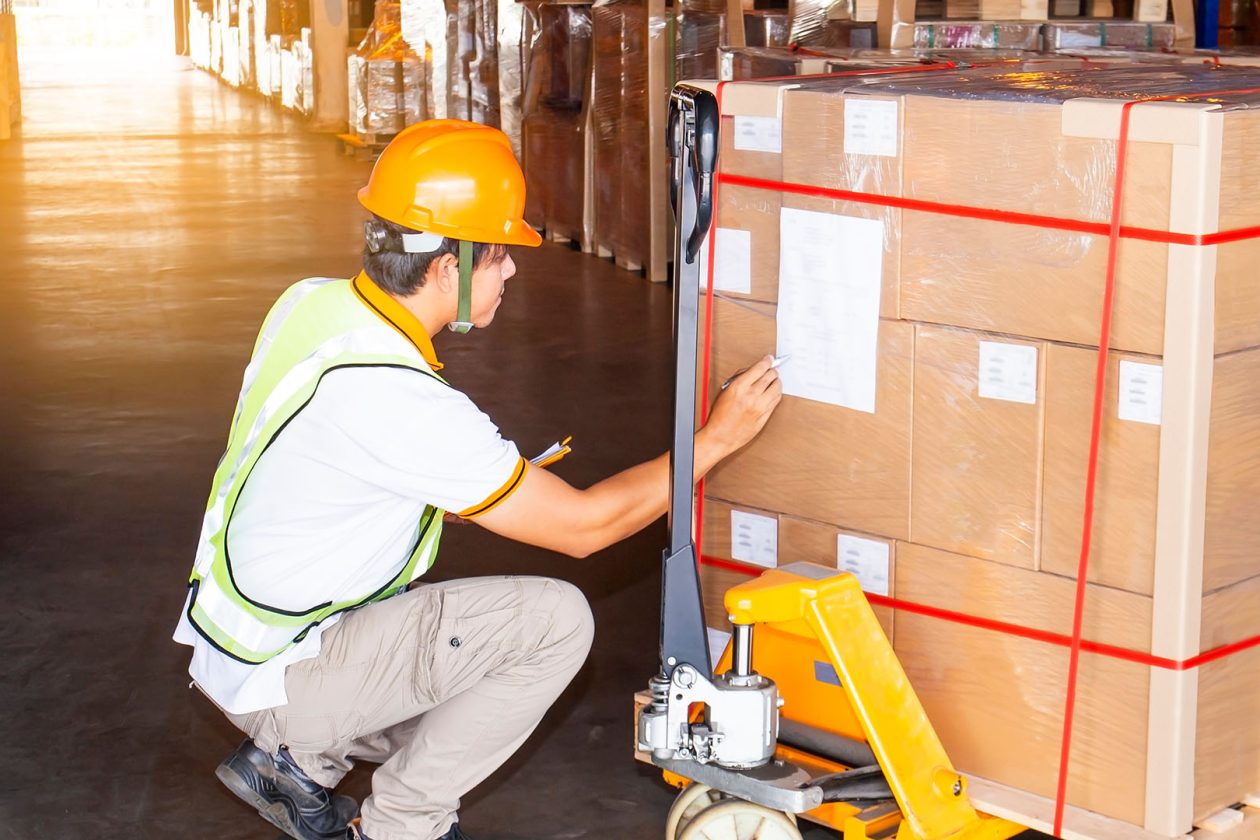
[[475, 635]]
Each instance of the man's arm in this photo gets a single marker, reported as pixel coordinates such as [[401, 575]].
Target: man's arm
[[547, 511]]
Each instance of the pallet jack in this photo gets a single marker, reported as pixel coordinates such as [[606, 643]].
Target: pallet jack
[[818, 719]]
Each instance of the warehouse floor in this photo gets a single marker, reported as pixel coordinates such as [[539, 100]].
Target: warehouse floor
[[148, 217]]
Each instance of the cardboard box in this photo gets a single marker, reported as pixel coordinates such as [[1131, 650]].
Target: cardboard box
[[815, 460], [997, 700], [978, 414], [726, 535], [1122, 553], [1057, 159]]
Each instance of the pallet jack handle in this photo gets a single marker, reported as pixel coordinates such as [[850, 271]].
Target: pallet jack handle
[[692, 139]]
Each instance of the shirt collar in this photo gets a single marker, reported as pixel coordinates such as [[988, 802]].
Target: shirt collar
[[396, 315]]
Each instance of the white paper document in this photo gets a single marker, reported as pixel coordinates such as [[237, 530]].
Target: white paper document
[[754, 539], [866, 560], [830, 270], [1141, 392], [1008, 372], [870, 126], [732, 270], [759, 134]]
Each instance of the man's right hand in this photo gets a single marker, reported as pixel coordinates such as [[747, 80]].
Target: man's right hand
[[744, 406], [546, 511]]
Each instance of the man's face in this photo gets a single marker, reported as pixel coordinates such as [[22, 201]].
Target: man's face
[[488, 283]]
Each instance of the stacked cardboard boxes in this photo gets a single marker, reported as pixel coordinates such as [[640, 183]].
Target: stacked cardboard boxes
[[935, 434]]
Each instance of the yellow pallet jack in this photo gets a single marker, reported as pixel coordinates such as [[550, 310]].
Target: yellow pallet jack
[[819, 720]]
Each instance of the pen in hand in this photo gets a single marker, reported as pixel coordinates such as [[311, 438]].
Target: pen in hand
[[778, 360]]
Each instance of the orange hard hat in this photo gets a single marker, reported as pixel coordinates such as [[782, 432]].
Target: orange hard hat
[[455, 178]]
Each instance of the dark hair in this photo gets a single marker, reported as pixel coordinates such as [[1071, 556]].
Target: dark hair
[[400, 273]]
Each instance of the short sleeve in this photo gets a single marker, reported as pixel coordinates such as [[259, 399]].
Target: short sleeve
[[411, 434]]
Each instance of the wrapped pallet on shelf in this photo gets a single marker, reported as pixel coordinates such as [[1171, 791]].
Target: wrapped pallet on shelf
[[1024, 331], [969, 35], [630, 87], [833, 23], [386, 79], [555, 127], [766, 28], [1068, 35]]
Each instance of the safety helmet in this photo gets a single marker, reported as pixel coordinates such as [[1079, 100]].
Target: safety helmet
[[451, 178]]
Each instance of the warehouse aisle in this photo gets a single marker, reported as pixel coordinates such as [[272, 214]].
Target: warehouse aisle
[[148, 217]]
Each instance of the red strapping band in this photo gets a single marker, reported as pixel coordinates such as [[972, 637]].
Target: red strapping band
[[988, 214], [1007, 628]]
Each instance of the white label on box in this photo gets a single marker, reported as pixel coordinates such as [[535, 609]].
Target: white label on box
[[718, 640], [867, 560], [830, 271], [1008, 372], [1141, 392], [733, 258], [754, 539], [870, 126], [759, 134]]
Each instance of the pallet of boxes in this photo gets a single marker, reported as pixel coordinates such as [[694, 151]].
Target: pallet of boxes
[[933, 251], [386, 83]]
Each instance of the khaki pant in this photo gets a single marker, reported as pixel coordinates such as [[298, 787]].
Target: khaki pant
[[440, 685]]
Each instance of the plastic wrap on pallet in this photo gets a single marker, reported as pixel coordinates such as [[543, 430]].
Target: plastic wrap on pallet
[[424, 27], [698, 35], [199, 39], [461, 23], [622, 35], [1127, 34], [232, 56], [766, 28], [290, 79], [971, 35], [511, 18], [828, 22], [386, 77], [848, 34], [245, 50], [306, 96], [275, 58], [483, 64], [216, 47], [553, 132]]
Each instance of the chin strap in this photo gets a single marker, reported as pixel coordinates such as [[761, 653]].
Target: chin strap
[[463, 314]]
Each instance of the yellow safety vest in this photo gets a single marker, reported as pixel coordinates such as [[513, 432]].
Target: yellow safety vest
[[317, 326]]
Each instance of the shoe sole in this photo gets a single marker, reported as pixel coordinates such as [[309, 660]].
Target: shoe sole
[[280, 814]]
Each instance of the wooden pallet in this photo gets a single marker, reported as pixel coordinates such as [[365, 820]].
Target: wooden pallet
[[364, 144], [567, 234], [623, 260]]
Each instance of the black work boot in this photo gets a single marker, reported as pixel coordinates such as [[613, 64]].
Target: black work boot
[[354, 832], [284, 795]]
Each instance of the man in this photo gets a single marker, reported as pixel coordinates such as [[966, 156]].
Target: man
[[346, 450]]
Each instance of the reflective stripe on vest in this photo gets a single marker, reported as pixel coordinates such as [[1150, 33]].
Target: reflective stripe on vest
[[316, 327]]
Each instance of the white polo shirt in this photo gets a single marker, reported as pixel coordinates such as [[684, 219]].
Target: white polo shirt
[[331, 507]]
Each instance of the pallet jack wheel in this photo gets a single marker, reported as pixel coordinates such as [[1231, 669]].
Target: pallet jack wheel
[[735, 819], [693, 799]]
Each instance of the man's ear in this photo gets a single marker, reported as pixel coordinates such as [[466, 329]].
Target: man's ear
[[444, 271]]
